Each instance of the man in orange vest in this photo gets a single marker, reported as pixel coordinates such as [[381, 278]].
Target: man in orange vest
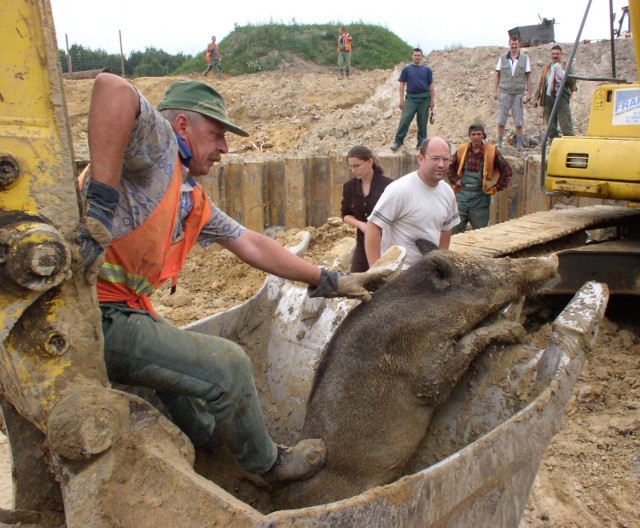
[[476, 173], [212, 56], [145, 210], [344, 52], [549, 90]]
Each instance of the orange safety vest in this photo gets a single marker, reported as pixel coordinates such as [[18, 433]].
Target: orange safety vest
[[570, 85], [490, 174], [347, 42], [137, 263]]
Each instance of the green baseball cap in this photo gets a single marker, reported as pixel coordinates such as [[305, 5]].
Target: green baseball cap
[[199, 97]]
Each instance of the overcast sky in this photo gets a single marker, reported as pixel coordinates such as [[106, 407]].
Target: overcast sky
[[187, 25]]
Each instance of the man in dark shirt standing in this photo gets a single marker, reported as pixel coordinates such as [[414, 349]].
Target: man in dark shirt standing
[[420, 97], [476, 173]]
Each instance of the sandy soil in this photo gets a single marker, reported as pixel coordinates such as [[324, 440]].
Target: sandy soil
[[590, 475]]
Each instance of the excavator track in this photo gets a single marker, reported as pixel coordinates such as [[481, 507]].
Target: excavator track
[[542, 231]]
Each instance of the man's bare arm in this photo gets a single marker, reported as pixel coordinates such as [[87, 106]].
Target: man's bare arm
[[266, 254], [372, 240], [114, 107], [445, 239], [401, 94]]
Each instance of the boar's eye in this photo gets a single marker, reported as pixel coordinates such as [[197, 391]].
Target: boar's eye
[[442, 273]]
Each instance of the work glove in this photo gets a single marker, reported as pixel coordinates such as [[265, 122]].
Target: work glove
[[93, 239], [432, 116], [359, 285], [94, 236]]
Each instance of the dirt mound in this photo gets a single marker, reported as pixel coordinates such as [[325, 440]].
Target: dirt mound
[[303, 111]]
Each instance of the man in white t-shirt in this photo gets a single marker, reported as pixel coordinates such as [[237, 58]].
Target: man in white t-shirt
[[417, 206]]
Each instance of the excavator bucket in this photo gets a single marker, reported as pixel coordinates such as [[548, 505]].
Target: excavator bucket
[[497, 446]]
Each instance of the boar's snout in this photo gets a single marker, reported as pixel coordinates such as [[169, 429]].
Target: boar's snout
[[533, 272], [546, 268]]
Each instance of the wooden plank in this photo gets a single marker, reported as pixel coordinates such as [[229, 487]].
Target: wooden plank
[[274, 206], [339, 175], [211, 184], [232, 191], [318, 195], [295, 214], [253, 196]]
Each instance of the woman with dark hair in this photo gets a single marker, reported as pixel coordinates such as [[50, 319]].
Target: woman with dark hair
[[359, 196]]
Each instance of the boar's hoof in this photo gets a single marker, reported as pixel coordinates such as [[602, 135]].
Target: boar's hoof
[[502, 331]]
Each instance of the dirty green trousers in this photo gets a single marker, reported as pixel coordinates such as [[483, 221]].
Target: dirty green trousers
[[414, 105], [473, 205], [344, 62], [563, 117], [206, 382], [215, 63]]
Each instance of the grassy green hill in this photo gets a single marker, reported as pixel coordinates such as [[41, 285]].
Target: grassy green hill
[[252, 48]]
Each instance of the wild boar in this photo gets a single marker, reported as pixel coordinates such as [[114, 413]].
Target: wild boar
[[394, 360]]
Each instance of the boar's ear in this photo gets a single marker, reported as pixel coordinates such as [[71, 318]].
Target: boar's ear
[[441, 271], [425, 246]]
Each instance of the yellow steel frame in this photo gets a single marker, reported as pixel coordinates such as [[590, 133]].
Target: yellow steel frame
[[50, 337]]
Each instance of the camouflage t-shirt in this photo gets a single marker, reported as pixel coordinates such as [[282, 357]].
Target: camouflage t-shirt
[[149, 161]]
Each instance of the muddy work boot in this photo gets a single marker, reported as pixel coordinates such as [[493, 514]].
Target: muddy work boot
[[299, 462]]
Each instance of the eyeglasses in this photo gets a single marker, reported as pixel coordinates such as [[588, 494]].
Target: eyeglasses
[[439, 159], [354, 167]]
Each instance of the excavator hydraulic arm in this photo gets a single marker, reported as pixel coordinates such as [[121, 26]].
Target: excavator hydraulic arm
[[49, 322], [51, 340]]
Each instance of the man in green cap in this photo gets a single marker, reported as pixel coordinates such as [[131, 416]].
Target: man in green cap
[[144, 212]]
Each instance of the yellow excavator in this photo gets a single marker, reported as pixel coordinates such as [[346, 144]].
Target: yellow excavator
[[605, 164], [86, 455], [600, 242]]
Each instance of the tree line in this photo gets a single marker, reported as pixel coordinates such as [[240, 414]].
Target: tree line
[[253, 48], [151, 62]]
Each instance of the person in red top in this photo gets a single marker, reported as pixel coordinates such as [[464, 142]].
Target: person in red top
[[146, 209], [476, 173]]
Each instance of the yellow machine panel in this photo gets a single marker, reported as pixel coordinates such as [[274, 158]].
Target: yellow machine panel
[[615, 111], [595, 167]]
